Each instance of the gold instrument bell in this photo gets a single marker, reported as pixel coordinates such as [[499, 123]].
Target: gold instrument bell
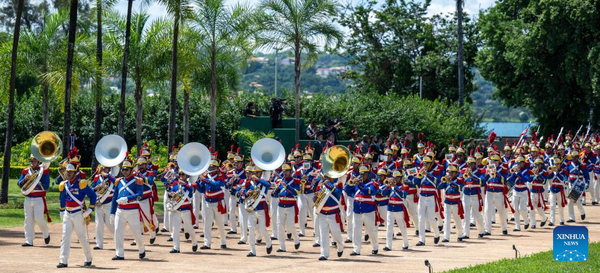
[[336, 161], [46, 146]]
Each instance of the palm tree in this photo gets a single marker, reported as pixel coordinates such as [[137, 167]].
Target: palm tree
[[124, 71], [39, 47], [145, 54], [11, 106], [302, 25], [69, 74], [180, 9], [461, 86], [227, 44]]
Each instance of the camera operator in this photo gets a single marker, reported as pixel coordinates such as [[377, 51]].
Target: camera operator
[[276, 111], [333, 127]]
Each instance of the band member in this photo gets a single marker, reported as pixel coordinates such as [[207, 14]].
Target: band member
[[411, 201], [557, 177], [168, 177], [125, 209], [182, 212], [213, 186], [330, 221], [578, 173], [595, 176], [396, 211], [287, 190], [349, 193], [428, 204], [472, 198], [103, 181], [306, 175], [258, 211], [521, 197], [364, 210], [539, 176], [149, 219], [239, 193], [495, 199], [451, 185], [233, 179], [74, 212], [381, 200], [34, 206]]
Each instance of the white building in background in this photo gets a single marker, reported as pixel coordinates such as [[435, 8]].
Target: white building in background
[[331, 71], [262, 60]]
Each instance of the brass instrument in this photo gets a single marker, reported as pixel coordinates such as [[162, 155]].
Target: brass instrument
[[514, 169], [353, 182], [176, 199], [389, 182], [45, 147], [251, 200], [422, 173], [446, 179], [491, 170], [320, 196], [536, 171], [336, 161], [468, 174]]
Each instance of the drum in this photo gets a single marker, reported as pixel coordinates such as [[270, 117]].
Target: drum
[[577, 190]]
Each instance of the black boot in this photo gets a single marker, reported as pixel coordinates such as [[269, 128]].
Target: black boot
[[436, 240], [61, 265], [47, 239], [142, 255], [174, 251]]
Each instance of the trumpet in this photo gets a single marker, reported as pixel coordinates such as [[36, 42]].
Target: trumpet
[[352, 182], [535, 171], [514, 169], [468, 174], [422, 173], [389, 182]]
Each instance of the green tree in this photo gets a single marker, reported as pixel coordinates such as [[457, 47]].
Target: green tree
[[225, 46], [544, 55], [302, 25], [10, 115]]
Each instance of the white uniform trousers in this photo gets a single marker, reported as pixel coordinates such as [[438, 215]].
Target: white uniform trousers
[[382, 212], [452, 211], [243, 223], [145, 206], [285, 220], [595, 187], [398, 217], [328, 224], [427, 215], [413, 208], [273, 211], [122, 218], [211, 213], [317, 226], [198, 202], [369, 220], [539, 210], [305, 207], [185, 216], [520, 201], [494, 201], [34, 213], [102, 219], [260, 218], [166, 212], [571, 207], [232, 212], [555, 201], [471, 206], [74, 221], [226, 199], [349, 217]]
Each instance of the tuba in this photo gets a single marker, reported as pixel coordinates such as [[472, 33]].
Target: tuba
[[45, 147], [176, 199], [267, 154], [110, 152], [335, 164], [193, 159]]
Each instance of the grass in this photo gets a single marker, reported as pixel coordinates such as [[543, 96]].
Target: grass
[[539, 262], [11, 214]]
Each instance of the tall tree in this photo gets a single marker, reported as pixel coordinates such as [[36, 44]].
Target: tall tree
[[545, 55], [303, 25], [227, 43], [69, 74], [10, 115], [459, 34], [180, 10], [124, 70]]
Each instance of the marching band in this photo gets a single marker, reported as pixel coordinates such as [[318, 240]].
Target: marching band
[[341, 191]]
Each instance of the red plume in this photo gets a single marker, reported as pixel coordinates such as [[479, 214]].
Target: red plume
[[238, 150], [552, 136], [127, 154], [216, 154], [292, 150], [324, 149], [471, 152], [141, 152], [231, 150], [297, 145], [460, 144], [172, 148], [145, 144], [404, 144], [495, 148], [395, 141], [533, 135], [369, 150], [477, 148], [349, 147], [428, 143], [397, 164], [179, 148], [420, 136], [210, 149], [452, 142], [73, 152], [388, 144], [406, 154], [357, 150], [492, 137], [309, 144]]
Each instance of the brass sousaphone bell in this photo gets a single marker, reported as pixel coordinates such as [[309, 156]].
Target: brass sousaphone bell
[[335, 164], [45, 147]]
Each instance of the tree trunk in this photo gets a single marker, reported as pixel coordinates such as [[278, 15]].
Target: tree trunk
[[98, 84], [461, 87], [139, 109], [124, 71], [173, 106], [11, 106], [68, 80], [186, 116], [297, 71], [213, 95], [45, 90]]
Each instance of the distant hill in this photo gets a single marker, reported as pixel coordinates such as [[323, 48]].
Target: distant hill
[[322, 76]]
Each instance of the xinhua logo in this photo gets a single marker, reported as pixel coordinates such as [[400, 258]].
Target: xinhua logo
[[570, 244]]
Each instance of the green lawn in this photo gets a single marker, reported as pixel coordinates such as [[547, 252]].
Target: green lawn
[[11, 214], [540, 262]]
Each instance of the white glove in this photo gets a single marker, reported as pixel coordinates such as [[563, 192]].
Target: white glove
[[122, 200], [87, 212], [112, 219], [62, 215]]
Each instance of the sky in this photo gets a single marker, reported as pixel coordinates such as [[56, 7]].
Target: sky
[[437, 6]]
